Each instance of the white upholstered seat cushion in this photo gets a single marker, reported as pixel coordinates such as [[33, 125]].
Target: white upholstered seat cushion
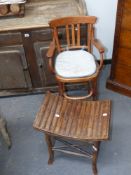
[[75, 63]]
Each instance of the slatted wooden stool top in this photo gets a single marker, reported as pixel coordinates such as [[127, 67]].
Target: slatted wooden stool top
[[83, 120]]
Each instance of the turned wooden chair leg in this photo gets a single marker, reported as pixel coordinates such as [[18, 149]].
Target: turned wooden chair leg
[[50, 145], [61, 88], [94, 87], [95, 156]]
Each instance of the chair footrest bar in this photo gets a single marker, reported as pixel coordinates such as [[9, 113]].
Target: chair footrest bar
[[79, 98]]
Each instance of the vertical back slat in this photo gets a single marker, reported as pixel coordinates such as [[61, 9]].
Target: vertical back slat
[[92, 33], [67, 35], [57, 39], [78, 34], [89, 35], [73, 34]]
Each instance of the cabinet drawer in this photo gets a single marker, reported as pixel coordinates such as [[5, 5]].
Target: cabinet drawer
[[124, 56], [10, 38], [123, 74], [125, 38], [41, 35]]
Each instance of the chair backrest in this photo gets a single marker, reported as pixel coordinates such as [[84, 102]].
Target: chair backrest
[[73, 26]]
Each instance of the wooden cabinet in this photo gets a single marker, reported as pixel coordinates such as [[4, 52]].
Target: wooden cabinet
[[24, 43], [120, 76], [23, 64]]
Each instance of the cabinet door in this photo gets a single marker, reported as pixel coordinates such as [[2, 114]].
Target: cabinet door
[[120, 76], [13, 68], [47, 78], [122, 51]]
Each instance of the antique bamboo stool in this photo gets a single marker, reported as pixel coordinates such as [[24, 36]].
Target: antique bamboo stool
[[74, 120]]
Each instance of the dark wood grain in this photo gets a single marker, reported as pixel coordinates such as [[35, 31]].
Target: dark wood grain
[[120, 75]]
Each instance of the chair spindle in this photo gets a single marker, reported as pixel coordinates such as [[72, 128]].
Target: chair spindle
[[78, 34], [89, 31], [73, 34], [68, 35], [57, 39]]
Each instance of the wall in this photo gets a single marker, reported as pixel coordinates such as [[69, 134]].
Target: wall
[[105, 10]]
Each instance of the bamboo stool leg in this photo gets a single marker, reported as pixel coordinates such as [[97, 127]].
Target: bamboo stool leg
[[95, 156], [50, 145]]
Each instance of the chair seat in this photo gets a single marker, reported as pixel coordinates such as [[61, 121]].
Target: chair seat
[[75, 64], [78, 120]]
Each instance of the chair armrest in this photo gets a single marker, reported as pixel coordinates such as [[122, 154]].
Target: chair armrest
[[98, 45], [51, 50], [50, 54], [101, 50]]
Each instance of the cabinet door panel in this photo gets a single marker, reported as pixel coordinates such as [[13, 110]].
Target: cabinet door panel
[[47, 78], [124, 56], [121, 74], [127, 4], [125, 38], [13, 68], [126, 20]]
